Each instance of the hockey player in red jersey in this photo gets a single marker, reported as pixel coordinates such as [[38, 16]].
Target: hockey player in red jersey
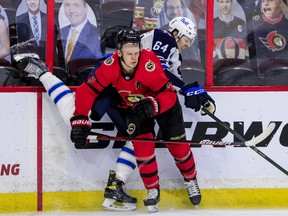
[[168, 46], [147, 95], [114, 190]]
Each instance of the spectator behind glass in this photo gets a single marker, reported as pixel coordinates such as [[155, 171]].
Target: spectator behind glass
[[270, 31], [31, 22], [4, 36], [230, 34], [80, 38], [251, 8], [172, 9], [146, 14], [198, 9], [178, 8]]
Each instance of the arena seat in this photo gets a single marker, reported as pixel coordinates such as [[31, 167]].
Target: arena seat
[[76, 65], [9, 76], [115, 13], [61, 73], [274, 71], [192, 71], [234, 72], [108, 39]]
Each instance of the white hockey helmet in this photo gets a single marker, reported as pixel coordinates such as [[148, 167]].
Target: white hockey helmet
[[184, 26]]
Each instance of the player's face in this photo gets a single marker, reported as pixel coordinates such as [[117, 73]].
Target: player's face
[[75, 11], [174, 9], [271, 8], [33, 6], [225, 6], [130, 53], [183, 43]]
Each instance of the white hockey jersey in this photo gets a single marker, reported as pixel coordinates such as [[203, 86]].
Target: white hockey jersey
[[164, 45]]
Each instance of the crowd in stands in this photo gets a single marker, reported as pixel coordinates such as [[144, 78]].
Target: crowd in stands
[[249, 36]]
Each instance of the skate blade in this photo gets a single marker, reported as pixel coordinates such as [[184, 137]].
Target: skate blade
[[153, 208], [113, 205]]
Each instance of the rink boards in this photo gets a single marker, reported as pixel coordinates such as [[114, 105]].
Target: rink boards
[[41, 170]]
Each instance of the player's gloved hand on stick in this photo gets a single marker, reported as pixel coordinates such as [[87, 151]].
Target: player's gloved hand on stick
[[146, 108], [210, 106], [196, 96], [81, 127]]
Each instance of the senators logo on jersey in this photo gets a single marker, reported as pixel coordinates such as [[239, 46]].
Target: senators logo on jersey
[[109, 61], [134, 98], [230, 48], [150, 66], [274, 41]]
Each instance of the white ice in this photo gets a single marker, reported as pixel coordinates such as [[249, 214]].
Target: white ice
[[198, 212]]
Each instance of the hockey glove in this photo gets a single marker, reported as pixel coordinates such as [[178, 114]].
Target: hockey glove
[[81, 127], [31, 63], [146, 108], [23, 47], [210, 106], [196, 96]]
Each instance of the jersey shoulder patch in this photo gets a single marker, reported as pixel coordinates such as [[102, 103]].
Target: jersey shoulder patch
[[150, 66], [109, 61]]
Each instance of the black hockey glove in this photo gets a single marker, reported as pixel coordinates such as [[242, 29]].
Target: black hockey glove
[[146, 108], [31, 63], [81, 127], [23, 47], [196, 96]]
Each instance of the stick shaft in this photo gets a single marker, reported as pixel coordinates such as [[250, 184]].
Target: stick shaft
[[240, 137], [99, 136]]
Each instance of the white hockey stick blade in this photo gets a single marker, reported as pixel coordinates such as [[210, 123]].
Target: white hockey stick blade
[[261, 136], [21, 56]]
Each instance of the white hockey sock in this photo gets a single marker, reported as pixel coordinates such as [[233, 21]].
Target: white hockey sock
[[60, 94], [126, 162]]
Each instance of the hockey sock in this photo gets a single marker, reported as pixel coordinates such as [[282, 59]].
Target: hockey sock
[[146, 161], [60, 94], [126, 162], [184, 160]]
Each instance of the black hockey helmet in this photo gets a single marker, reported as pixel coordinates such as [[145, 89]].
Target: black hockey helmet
[[127, 35]]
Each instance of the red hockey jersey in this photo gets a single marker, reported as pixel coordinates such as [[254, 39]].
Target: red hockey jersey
[[149, 79]]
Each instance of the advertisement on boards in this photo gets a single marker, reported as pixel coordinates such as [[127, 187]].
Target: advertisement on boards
[[218, 167], [65, 168], [18, 154]]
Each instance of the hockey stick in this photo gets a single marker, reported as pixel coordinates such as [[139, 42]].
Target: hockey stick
[[252, 142], [240, 137]]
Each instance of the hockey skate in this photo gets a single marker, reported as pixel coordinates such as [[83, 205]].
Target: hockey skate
[[30, 63], [193, 192], [116, 198], [152, 199]]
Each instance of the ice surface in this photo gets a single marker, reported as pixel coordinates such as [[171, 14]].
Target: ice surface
[[198, 212]]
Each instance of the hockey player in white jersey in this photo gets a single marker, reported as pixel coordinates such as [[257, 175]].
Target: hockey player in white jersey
[[167, 44]]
